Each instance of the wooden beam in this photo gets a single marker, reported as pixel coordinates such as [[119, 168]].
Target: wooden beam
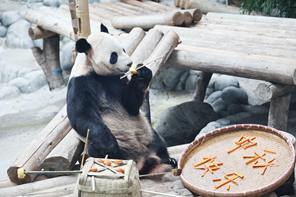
[[65, 154], [278, 70], [42, 145], [148, 21], [36, 32], [83, 18], [49, 61], [278, 112], [201, 86], [267, 91], [25, 189]]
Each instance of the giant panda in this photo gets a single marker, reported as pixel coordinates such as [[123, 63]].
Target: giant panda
[[99, 101]]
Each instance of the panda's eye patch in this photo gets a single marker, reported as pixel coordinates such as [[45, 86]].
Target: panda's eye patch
[[113, 58], [123, 50]]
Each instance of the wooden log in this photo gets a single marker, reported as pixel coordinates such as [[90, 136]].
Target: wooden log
[[201, 86], [59, 191], [195, 13], [43, 144], [83, 18], [114, 7], [188, 19], [267, 90], [140, 4], [162, 51], [74, 18], [278, 112], [65, 154], [36, 32], [148, 21], [146, 47], [211, 35], [133, 39], [111, 9], [160, 7], [56, 25], [25, 189], [279, 70], [210, 6], [138, 9], [288, 22], [5, 182], [49, 61], [142, 52]]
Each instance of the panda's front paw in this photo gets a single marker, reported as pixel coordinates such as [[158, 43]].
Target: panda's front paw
[[143, 74]]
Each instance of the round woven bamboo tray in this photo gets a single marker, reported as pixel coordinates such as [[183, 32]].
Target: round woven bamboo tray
[[252, 181]]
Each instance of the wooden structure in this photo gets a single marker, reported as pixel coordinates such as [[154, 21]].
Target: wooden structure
[[253, 47], [248, 46]]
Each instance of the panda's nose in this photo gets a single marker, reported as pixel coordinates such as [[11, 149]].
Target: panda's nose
[[130, 64]]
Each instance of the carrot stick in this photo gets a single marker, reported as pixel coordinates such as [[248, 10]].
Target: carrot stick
[[216, 180], [269, 151], [222, 184]]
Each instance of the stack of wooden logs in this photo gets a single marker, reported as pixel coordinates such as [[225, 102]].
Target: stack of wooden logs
[[206, 6], [57, 146]]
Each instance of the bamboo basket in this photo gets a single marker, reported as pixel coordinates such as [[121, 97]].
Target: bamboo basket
[[106, 183], [193, 182]]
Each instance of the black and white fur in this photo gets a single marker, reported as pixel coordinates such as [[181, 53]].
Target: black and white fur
[[98, 100]]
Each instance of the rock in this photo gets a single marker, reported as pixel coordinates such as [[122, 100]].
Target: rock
[[232, 95], [191, 81], [167, 78], [185, 120], [10, 17], [3, 31], [182, 82], [8, 91], [213, 97], [36, 80], [219, 105], [66, 56], [224, 81], [234, 108], [30, 82], [20, 83], [52, 3], [17, 35]]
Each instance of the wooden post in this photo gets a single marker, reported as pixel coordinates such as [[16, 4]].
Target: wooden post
[[201, 86], [83, 18], [65, 154], [278, 112], [42, 145], [49, 61]]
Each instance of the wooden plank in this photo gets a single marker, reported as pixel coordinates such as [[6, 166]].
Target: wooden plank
[[282, 24], [280, 70], [25, 189], [226, 36], [209, 6], [253, 18]]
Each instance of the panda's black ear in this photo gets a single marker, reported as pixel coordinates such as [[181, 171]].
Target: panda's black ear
[[82, 46], [104, 28]]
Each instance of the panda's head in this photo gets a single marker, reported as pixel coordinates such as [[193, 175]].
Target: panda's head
[[104, 53]]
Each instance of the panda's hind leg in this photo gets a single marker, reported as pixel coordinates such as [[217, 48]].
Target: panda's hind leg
[[159, 146]]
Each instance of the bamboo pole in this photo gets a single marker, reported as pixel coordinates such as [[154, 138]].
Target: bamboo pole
[[148, 21], [83, 18]]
